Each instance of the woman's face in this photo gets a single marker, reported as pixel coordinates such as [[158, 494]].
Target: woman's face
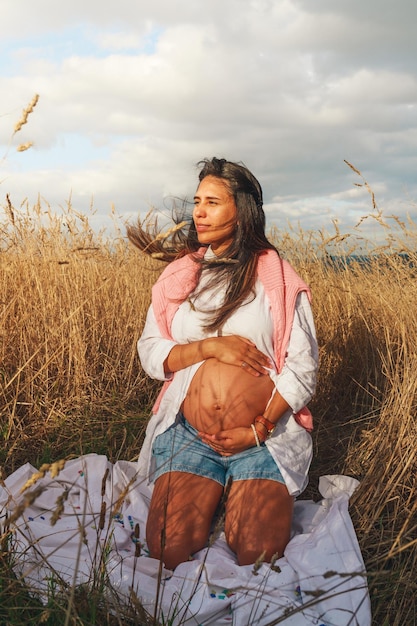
[[214, 214]]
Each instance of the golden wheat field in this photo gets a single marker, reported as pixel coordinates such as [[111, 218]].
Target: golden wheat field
[[72, 305]]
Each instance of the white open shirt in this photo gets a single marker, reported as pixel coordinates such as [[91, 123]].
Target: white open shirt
[[290, 444]]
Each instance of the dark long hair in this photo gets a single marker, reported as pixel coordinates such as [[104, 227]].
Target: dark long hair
[[236, 270]]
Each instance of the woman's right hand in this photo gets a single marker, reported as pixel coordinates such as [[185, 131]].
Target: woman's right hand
[[239, 351]]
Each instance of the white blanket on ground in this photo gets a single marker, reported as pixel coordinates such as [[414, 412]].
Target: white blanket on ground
[[320, 580]]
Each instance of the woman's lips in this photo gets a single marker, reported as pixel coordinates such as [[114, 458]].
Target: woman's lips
[[202, 228]]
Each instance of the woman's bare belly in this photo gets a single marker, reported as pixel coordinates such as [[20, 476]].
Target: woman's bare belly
[[223, 396]]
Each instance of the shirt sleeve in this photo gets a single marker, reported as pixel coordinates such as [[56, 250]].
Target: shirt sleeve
[[297, 381], [153, 349]]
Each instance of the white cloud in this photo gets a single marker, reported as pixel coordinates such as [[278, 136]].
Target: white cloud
[[133, 94]]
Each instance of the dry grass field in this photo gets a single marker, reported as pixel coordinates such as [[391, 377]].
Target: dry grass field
[[72, 305]]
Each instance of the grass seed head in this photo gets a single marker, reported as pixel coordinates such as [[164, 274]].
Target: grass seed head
[[24, 146], [26, 112]]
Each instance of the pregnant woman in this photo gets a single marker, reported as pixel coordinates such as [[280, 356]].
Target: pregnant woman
[[230, 332]]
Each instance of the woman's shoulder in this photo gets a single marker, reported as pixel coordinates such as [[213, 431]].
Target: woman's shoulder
[[273, 268]]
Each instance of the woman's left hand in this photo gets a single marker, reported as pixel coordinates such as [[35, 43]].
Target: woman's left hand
[[228, 442]]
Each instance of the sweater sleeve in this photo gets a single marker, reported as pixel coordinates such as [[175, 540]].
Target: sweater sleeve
[[153, 348], [297, 380]]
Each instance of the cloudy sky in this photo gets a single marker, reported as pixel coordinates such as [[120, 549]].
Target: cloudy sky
[[133, 93]]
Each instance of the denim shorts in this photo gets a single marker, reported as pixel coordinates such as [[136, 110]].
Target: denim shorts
[[180, 449]]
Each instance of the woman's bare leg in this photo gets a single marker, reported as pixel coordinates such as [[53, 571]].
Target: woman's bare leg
[[180, 516], [258, 519]]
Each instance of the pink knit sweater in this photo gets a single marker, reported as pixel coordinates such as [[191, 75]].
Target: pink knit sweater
[[282, 286]]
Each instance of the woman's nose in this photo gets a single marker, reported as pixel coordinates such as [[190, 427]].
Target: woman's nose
[[199, 210]]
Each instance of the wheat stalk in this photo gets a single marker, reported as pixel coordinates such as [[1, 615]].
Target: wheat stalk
[[24, 146], [170, 231], [53, 468], [25, 114]]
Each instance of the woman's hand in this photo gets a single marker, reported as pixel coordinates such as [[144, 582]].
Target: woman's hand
[[232, 349], [228, 442], [239, 351]]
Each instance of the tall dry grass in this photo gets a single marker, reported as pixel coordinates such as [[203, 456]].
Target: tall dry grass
[[72, 305], [366, 404]]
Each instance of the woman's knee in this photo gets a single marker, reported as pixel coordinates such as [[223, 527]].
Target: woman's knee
[[249, 552], [175, 544], [166, 550], [180, 515], [258, 520]]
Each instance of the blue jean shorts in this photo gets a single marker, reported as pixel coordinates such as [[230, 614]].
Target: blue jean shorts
[[180, 449]]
